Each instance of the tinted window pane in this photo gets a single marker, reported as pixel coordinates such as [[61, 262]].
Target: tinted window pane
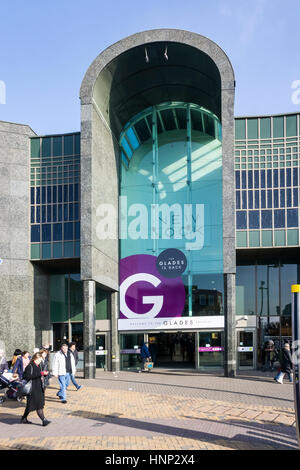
[[68, 145], [282, 179], [77, 231], [266, 219], [240, 129], [241, 220], [291, 126], [282, 198], [256, 179], [269, 198], [46, 147], [295, 176], [279, 218], [288, 177], [35, 233], [256, 199], [38, 214], [57, 146], [46, 232], [250, 179], [66, 212], [265, 128], [244, 199], [275, 178], [68, 231], [276, 198], [262, 178], [278, 127], [54, 214], [59, 197], [292, 218], [252, 129], [250, 199], [289, 198], [237, 180], [59, 216], [244, 181], [54, 195], [43, 214], [295, 196], [263, 199], [57, 232], [269, 178], [253, 219], [238, 199]]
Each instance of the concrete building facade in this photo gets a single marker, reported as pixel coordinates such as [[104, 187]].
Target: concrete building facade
[[157, 133]]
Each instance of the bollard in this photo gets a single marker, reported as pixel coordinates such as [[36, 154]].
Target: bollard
[[296, 344]]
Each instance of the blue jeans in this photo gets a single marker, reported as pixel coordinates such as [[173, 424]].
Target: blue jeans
[[74, 380], [280, 376], [64, 381]]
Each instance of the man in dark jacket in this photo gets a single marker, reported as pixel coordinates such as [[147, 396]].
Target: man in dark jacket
[[286, 365], [145, 354], [73, 350]]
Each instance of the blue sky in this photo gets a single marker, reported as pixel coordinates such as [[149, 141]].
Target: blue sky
[[46, 48]]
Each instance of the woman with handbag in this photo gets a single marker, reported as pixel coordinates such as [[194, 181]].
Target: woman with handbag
[[36, 398]]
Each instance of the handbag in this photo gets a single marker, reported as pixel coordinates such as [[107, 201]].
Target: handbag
[[26, 388]]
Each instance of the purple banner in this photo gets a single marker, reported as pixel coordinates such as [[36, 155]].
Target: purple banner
[[145, 293], [211, 349]]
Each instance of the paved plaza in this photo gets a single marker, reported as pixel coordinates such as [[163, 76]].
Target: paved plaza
[[161, 410]]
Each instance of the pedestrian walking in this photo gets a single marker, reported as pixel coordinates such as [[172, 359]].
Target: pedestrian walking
[[36, 399], [3, 362], [45, 365], [145, 354], [63, 368], [73, 350], [17, 353], [21, 364], [286, 365]]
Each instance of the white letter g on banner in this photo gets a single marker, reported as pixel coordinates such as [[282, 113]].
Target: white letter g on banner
[[156, 300]]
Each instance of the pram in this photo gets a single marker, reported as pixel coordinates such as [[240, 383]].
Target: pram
[[12, 385]]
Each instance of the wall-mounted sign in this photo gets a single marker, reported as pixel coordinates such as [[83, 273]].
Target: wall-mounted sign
[[171, 263], [101, 352], [246, 349], [177, 323], [130, 351], [211, 349]]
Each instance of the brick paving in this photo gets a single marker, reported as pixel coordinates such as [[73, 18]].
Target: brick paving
[[163, 410]]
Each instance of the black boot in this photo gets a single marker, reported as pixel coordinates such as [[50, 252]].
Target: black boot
[[25, 421], [46, 422]]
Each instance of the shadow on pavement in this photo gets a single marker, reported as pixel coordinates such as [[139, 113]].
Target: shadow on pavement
[[253, 439], [197, 388]]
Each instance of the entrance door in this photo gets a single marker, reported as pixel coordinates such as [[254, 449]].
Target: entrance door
[[245, 348], [101, 351], [175, 350]]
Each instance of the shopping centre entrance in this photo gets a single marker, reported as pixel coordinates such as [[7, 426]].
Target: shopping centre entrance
[[172, 350]]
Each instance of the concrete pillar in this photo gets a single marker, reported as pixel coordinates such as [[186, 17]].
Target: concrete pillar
[[89, 329], [115, 347], [230, 332]]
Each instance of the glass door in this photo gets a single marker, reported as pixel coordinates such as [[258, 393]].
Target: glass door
[[245, 347], [101, 351]]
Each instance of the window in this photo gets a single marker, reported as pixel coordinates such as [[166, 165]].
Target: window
[[278, 130], [253, 219], [240, 129], [252, 125], [241, 220], [292, 218], [266, 219], [265, 128], [279, 218]]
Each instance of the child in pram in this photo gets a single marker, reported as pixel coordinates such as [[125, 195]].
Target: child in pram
[[7, 380]]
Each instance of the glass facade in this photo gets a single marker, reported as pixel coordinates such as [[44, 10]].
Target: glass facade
[[55, 196], [264, 290], [66, 307], [171, 198], [267, 181]]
